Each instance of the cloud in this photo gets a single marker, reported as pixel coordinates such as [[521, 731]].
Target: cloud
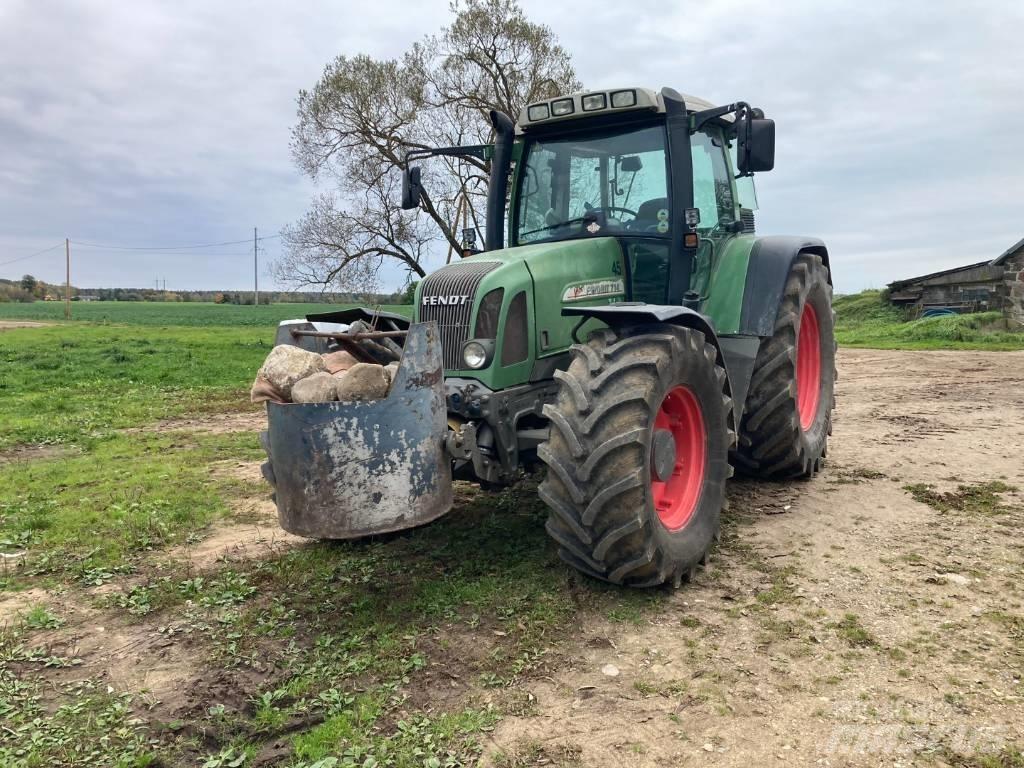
[[896, 123], [154, 123]]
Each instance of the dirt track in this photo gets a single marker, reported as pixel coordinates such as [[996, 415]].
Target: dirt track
[[10, 325], [843, 622]]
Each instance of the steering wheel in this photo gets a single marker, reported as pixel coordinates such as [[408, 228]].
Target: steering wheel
[[603, 209]]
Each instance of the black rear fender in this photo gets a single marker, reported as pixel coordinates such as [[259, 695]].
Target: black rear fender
[[771, 260]]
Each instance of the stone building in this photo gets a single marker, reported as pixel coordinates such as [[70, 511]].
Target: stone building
[[996, 285]]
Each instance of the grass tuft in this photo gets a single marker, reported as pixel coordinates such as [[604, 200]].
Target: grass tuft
[[978, 499]]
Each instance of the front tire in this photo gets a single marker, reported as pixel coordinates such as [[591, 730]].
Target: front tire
[[638, 455], [788, 414]]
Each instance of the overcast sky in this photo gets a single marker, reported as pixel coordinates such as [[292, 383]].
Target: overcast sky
[[156, 124]]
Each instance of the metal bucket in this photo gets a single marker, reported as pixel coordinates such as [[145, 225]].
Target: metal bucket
[[343, 470]]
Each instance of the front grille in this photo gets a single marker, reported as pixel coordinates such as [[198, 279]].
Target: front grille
[[452, 318]]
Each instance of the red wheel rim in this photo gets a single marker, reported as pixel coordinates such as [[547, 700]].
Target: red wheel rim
[[808, 367], [676, 498]]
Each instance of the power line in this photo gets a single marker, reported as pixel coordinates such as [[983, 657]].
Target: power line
[[165, 254], [33, 255], [157, 247], [169, 247]]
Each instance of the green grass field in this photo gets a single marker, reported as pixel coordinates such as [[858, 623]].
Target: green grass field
[[167, 313], [72, 384]]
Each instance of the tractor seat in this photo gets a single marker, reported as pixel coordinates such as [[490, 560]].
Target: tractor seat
[[647, 214]]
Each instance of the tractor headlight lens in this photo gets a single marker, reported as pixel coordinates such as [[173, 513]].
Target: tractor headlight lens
[[594, 102], [474, 354], [538, 112], [562, 107], [624, 99]]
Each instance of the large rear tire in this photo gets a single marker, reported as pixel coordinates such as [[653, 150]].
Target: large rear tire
[[638, 455], [788, 413]]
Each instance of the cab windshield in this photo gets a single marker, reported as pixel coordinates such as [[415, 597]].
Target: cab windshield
[[594, 185]]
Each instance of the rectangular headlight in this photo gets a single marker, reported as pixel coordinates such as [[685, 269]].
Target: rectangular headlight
[[562, 107], [594, 102], [624, 99], [538, 112]]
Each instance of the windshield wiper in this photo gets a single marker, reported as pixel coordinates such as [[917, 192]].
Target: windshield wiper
[[577, 220]]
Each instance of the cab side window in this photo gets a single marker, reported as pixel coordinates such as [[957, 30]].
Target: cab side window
[[712, 182], [745, 191]]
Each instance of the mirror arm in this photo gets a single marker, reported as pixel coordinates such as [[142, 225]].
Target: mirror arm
[[479, 151], [700, 118]]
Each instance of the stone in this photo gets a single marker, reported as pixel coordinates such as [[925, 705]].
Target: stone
[[318, 388], [610, 670], [286, 365], [957, 578], [338, 362], [263, 391], [363, 381], [390, 372]]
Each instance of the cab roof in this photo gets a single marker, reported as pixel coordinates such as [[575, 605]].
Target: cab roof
[[601, 102]]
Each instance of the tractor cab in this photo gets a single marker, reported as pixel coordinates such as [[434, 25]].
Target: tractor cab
[[666, 174], [633, 164]]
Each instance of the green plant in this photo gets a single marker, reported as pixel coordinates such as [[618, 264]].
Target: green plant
[[852, 631], [229, 757], [40, 617]]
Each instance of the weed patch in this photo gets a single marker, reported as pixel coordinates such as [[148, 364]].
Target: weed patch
[[853, 475], [534, 753], [95, 727], [979, 499], [853, 632]]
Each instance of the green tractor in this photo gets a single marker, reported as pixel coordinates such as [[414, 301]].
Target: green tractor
[[634, 335]]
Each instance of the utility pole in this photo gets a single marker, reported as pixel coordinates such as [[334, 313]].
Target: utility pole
[[255, 270], [67, 280]]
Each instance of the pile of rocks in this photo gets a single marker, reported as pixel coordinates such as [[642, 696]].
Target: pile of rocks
[[294, 375]]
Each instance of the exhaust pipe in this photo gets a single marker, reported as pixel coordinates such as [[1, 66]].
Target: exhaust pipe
[[497, 189]]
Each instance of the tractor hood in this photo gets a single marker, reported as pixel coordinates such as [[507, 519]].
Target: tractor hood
[[513, 298]]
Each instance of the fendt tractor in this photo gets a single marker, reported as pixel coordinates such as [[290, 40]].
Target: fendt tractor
[[634, 335]]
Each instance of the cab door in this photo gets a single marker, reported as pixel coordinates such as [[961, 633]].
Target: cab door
[[713, 196]]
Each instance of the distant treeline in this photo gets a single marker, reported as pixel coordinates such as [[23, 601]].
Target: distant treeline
[[29, 289]]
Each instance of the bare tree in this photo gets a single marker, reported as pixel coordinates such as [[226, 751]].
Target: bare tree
[[361, 118]]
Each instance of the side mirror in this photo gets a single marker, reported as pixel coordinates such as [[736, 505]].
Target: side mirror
[[631, 164], [755, 138], [412, 190]]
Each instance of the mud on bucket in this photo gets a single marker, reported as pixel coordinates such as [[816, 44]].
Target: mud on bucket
[[342, 470]]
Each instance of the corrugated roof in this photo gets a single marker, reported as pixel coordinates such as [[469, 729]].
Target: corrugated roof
[[897, 284], [1007, 253]]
